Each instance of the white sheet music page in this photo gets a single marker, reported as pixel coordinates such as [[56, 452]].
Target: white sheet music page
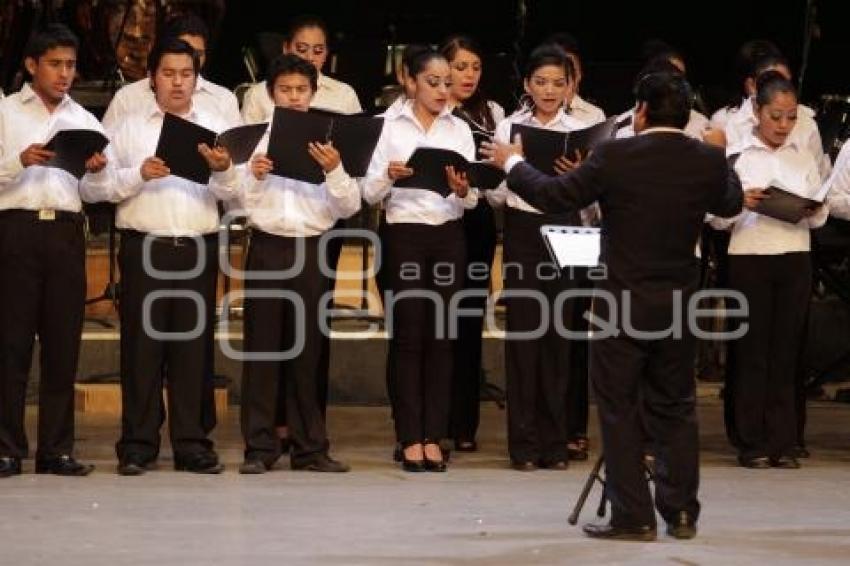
[[575, 246]]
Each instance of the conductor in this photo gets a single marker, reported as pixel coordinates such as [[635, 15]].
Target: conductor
[[654, 191]]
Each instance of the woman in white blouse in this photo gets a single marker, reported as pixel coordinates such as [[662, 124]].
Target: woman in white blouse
[[537, 371], [469, 103], [769, 263], [425, 257]]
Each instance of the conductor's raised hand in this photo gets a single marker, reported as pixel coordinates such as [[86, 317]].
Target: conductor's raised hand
[[261, 166], [499, 153], [564, 165], [398, 170], [154, 168], [752, 197], [458, 181], [96, 163], [218, 158], [36, 155], [325, 154]]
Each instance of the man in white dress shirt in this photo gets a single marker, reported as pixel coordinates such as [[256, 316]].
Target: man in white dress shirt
[[168, 224], [42, 258], [307, 38], [207, 96]]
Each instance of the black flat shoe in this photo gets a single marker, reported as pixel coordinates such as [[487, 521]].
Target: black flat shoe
[[132, 465], [683, 528], [645, 533], [414, 466], [64, 465], [198, 463], [434, 465], [321, 463], [785, 463], [9, 466], [577, 449], [800, 452], [755, 463]]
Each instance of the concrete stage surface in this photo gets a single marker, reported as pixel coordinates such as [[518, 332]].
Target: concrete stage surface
[[480, 512]]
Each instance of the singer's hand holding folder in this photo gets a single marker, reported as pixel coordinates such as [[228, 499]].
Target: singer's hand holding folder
[[542, 147], [784, 205], [73, 147], [429, 171]]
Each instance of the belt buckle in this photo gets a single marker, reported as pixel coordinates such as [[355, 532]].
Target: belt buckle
[[178, 242], [47, 214]]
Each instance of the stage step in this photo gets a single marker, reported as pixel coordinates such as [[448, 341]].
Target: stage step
[[105, 399]]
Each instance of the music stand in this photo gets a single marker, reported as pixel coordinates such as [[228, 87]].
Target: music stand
[[106, 212], [594, 476]]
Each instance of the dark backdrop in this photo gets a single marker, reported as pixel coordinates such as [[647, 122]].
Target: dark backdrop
[[610, 33]]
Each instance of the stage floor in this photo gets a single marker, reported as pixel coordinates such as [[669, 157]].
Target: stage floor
[[480, 512]]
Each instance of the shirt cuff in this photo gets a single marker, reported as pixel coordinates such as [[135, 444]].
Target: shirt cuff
[[512, 161], [226, 177], [337, 181]]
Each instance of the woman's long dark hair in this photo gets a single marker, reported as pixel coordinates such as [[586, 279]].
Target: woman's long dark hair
[[475, 109]]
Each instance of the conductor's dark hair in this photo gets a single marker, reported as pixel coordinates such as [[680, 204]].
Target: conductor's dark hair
[[303, 22], [172, 46], [291, 64], [51, 37], [771, 83], [186, 24], [475, 107], [565, 41], [668, 98], [549, 54], [420, 59]]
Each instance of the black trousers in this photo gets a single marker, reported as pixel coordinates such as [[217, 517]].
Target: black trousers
[[765, 360], [480, 232], [383, 281], [422, 259], [146, 356], [647, 383], [578, 399], [334, 251], [536, 370], [43, 285], [275, 326]]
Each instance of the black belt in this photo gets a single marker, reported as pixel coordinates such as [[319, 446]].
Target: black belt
[[176, 241], [44, 215]]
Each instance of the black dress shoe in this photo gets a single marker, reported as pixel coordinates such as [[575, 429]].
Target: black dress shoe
[[413, 466], [523, 466], [132, 465], [253, 466], [465, 445], [557, 465], [205, 462], [434, 465], [785, 462], [755, 463], [646, 533], [321, 463], [683, 527], [800, 452], [63, 465], [9, 466]]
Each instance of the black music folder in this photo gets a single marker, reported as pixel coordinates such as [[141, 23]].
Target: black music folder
[[542, 147], [73, 148], [429, 171], [178, 148], [786, 206], [241, 141], [354, 136]]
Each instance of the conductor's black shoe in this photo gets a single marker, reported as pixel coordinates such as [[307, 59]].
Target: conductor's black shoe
[[63, 465], [132, 465], [683, 527], [785, 462], [645, 533], [253, 466], [321, 463], [755, 463], [523, 466], [205, 462], [9, 466]]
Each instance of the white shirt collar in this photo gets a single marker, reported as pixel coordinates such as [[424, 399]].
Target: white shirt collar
[[28, 95], [157, 112], [662, 129], [754, 141], [407, 112]]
